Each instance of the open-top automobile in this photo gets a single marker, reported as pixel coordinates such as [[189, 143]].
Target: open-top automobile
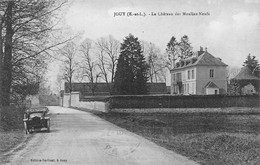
[[36, 119]]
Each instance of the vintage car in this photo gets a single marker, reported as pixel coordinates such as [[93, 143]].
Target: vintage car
[[36, 119]]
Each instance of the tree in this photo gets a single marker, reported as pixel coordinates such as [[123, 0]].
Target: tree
[[156, 62], [132, 71], [70, 65], [108, 50], [88, 65], [185, 47], [172, 51], [231, 72], [26, 29], [1, 55], [234, 87], [252, 63], [178, 50]]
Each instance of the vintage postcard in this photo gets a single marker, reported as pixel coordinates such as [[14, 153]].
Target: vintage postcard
[[115, 82]]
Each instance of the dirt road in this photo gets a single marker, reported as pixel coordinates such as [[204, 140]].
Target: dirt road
[[78, 137]]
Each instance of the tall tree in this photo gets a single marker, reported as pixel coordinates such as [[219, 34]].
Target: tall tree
[[7, 61], [172, 51], [185, 47], [132, 70], [89, 67], [177, 50], [70, 65], [1, 56], [252, 63], [156, 62], [27, 25], [108, 50]]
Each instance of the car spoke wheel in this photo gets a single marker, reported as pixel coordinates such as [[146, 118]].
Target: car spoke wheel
[[26, 129], [48, 126]]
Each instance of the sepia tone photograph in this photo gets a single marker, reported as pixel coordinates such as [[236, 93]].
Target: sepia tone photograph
[[122, 82]]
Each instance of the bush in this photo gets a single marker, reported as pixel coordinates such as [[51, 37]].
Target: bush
[[11, 118]]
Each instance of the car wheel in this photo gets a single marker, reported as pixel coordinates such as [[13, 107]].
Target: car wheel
[[26, 129], [48, 126]]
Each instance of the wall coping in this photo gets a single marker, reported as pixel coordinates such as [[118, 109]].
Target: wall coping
[[232, 110]]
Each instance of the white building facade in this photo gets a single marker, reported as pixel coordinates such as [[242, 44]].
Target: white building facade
[[202, 74]]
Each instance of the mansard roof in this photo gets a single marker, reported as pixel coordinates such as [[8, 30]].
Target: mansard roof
[[205, 59]]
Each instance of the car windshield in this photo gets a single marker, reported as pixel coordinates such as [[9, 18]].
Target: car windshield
[[36, 114]]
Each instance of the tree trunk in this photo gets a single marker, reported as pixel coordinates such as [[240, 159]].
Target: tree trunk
[[70, 84], [1, 58], [7, 65]]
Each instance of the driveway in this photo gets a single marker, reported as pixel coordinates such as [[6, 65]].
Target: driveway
[[78, 137]]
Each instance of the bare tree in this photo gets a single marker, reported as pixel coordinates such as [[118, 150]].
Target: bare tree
[[108, 50], [68, 52], [89, 65], [156, 61], [232, 72], [26, 29]]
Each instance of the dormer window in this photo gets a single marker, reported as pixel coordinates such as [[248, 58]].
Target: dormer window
[[194, 60], [182, 63]]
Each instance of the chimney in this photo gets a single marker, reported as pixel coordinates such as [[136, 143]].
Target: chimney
[[200, 51]]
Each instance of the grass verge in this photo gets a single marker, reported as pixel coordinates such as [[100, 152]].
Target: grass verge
[[11, 130], [207, 138]]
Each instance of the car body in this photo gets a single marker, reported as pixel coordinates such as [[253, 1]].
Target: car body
[[36, 119]]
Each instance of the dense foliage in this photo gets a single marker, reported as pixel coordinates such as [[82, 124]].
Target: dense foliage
[[132, 71], [252, 63]]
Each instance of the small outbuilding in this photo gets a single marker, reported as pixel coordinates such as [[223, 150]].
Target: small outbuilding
[[247, 83]]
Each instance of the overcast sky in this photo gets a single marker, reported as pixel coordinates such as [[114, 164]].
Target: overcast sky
[[230, 29]]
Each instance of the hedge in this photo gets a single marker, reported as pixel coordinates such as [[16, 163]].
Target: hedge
[[191, 101]]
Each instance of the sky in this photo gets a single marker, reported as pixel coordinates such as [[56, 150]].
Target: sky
[[229, 29]]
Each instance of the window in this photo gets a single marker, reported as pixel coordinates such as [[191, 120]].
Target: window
[[211, 73], [178, 76], [174, 77], [188, 74], [188, 88], [192, 74]]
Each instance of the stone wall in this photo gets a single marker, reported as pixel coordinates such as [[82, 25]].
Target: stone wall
[[166, 103], [75, 102]]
